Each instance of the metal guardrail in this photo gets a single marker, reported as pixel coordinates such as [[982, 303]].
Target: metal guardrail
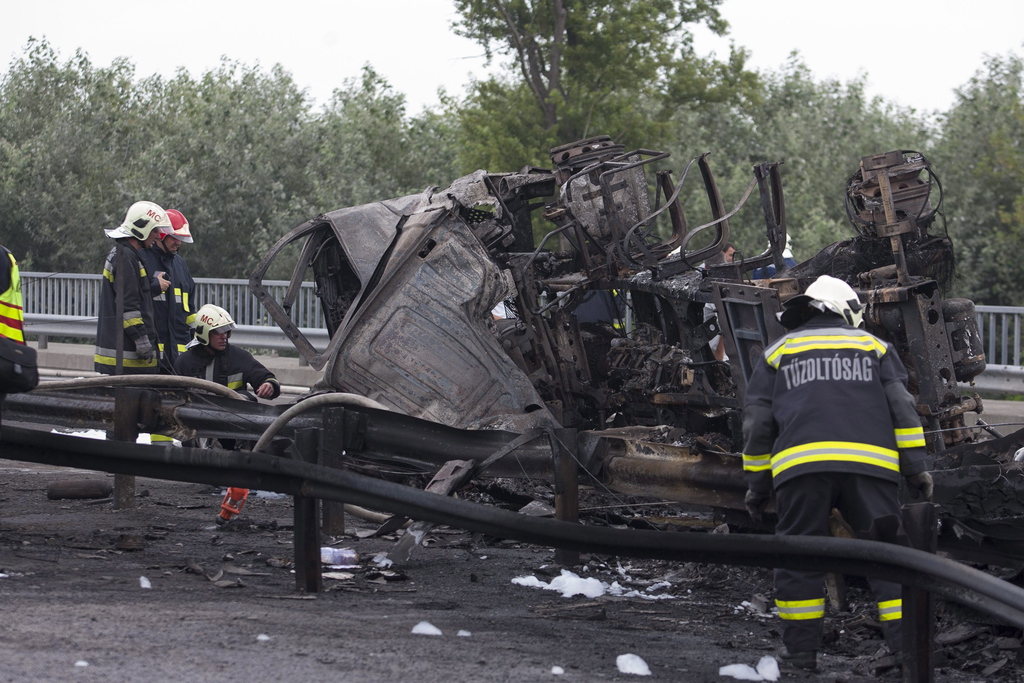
[[1000, 328], [67, 304], [77, 296]]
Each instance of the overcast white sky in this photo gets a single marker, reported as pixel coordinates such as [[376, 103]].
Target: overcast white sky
[[914, 53]]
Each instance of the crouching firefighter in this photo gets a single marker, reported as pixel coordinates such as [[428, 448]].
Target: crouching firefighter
[[211, 357], [828, 423]]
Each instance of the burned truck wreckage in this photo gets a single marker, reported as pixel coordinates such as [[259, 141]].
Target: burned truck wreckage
[[601, 358]]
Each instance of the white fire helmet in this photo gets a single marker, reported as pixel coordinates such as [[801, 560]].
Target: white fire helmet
[[210, 318], [141, 219], [827, 294]]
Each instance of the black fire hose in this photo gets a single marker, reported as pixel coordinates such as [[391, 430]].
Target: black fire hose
[[943, 577]]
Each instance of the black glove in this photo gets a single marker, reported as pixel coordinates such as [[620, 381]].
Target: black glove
[[143, 349], [756, 503], [921, 484]]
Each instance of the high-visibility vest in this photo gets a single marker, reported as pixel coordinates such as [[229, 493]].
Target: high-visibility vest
[[12, 317]]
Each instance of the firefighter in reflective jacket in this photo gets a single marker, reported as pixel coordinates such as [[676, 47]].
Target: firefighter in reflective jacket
[[173, 291], [126, 304], [828, 423], [12, 317]]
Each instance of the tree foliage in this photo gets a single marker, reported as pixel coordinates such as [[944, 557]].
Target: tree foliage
[[980, 159], [241, 151], [237, 149], [579, 68], [67, 136], [368, 149]]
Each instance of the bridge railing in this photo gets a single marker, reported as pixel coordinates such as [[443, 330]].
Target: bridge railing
[[77, 295], [1000, 328], [67, 305]]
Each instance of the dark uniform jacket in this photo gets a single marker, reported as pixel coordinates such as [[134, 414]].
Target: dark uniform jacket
[[828, 397], [233, 367], [174, 310], [124, 269]]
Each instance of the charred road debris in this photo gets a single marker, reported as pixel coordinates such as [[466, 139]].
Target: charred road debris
[[599, 369]]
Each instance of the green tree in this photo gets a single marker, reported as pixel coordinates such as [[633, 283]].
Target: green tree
[[981, 163], [68, 132], [232, 153], [580, 68], [370, 150]]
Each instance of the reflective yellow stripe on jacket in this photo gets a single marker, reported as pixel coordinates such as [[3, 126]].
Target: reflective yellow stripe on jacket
[[890, 610], [911, 437], [798, 610], [834, 451], [826, 342], [757, 463]]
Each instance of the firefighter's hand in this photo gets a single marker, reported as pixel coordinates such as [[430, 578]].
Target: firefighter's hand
[[756, 503], [144, 349], [265, 390], [921, 484], [164, 283]]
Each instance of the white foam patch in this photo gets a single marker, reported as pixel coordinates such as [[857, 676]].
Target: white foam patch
[[425, 628], [570, 584], [767, 670], [632, 664]]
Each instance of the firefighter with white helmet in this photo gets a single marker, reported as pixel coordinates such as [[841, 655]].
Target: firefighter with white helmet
[[211, 357], [173, 290], [828, 423], [125, 331]]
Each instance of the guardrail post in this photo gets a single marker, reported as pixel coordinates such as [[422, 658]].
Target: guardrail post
[[306, 532], [567, 487], [126, 428], [333, 445], [921, 524]]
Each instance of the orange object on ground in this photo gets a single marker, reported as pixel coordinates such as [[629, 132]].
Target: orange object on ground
[[232, 504]]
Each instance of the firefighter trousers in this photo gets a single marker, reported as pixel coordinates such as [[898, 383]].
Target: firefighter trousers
[[871, 506]]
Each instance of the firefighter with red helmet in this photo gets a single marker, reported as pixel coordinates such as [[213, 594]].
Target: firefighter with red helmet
[[125, 330], [173, 290], [828, 423]]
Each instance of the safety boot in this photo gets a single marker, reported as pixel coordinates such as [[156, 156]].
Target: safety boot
[[806, 659]]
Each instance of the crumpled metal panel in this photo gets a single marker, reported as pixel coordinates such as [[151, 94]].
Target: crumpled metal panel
[[422, 341], [366, 231]]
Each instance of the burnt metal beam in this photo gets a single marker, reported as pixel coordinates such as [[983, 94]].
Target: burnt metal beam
[[921, 524], [567, 486], [306, 514]]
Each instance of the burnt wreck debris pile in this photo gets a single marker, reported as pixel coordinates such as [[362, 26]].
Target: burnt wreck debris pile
[[588, 356]]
